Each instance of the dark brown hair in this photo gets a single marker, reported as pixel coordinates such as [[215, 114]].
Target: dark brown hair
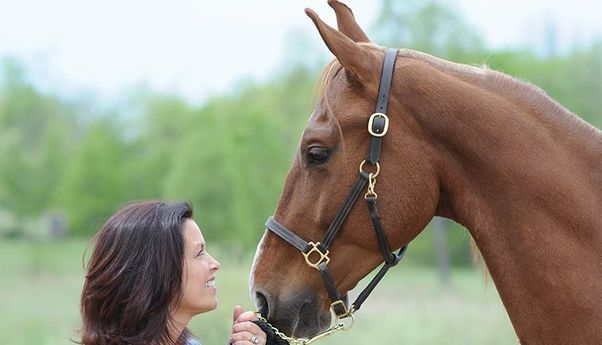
[[134, 275]]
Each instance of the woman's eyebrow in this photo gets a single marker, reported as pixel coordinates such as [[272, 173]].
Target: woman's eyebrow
[[200, 245]]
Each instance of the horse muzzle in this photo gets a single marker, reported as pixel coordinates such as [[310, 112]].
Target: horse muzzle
[[298, 314]]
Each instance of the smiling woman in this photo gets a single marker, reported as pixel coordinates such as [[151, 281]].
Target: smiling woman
[[148, 275]]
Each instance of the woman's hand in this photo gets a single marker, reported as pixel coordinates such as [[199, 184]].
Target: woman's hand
[[244, 331]]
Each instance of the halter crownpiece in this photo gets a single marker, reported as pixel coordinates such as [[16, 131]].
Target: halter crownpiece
[[316, 254]]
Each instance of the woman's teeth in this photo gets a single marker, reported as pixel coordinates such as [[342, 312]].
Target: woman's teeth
[[210, 284]]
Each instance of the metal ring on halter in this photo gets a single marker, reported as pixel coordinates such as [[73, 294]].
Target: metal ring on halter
[[350, 321], [377, 168]]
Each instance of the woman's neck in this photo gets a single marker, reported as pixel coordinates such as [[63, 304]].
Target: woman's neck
[[177, 324]]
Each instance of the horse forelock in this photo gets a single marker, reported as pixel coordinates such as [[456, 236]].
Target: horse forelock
[[326, 77]]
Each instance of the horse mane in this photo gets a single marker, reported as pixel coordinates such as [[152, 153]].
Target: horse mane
[[502, 84], [520, 91]]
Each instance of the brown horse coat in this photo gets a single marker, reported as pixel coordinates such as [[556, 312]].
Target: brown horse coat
[[519, 171]]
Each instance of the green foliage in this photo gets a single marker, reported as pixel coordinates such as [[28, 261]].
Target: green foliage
[[234, 158], [94, 182], [230, 155], [35, 133], [572, 79], [428, 26]]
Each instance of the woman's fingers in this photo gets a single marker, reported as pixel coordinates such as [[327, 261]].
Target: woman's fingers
[[237, 311], [246, 316], [247, 342], [247, 326], [247, 338], [247, 333]]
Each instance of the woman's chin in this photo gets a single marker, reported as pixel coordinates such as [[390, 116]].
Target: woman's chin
[[209, 307]]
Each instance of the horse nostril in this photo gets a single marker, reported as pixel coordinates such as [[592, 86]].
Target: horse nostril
[[262, 304]]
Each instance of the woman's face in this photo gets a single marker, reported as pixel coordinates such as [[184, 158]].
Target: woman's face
[[198, 279]]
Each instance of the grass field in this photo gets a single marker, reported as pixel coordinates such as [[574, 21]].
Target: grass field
[[40, 285]]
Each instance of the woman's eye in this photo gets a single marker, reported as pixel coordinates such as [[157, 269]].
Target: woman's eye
[[318, 154]]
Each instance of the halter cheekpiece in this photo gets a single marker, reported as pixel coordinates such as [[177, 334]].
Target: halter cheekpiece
[[316, 254]]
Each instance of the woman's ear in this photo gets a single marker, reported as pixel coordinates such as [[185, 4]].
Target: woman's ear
[[356, 59], [346, 22]]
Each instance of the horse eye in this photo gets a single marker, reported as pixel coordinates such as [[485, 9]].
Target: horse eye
[[318, 154]]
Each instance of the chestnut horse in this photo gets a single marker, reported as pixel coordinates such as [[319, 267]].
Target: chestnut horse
[[497, 155]]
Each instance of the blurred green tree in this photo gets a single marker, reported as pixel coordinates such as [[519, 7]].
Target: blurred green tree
[[94, 183], [235, 157], [35, 134], [428, 26], [230, 155]]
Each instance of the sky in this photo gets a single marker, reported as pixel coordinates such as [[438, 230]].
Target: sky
[[200, 48]]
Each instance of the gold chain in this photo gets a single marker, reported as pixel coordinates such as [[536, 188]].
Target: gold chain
[[290, 340], [338, 326]]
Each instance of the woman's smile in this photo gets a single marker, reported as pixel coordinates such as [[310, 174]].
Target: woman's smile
[[210, 284]]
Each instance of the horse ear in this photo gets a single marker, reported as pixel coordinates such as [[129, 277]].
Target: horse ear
[[357, 60], [346, 22]]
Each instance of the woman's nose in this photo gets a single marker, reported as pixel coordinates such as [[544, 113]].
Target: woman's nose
[[215, 264]]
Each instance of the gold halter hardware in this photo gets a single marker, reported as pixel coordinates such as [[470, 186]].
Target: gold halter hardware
[[323, 256], [371, 185], [375, 173], [371, 180], [371, 121]]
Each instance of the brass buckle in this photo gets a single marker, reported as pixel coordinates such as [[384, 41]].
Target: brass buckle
[[371, 121], [345, 314], [323, 256]]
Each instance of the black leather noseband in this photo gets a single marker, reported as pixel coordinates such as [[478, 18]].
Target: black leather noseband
[[316, 254]]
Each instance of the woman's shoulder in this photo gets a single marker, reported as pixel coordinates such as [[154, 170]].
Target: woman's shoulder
[[192, 341]]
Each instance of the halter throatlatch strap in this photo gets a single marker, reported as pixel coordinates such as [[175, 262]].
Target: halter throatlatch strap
[[377, 278], [316, 254]]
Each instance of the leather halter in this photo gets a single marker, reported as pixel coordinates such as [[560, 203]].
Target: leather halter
[[316, 254]]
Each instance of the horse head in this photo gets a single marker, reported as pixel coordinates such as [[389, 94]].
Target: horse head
[[334, 143]]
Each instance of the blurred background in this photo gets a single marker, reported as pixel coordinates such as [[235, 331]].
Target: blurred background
[[106, 102]]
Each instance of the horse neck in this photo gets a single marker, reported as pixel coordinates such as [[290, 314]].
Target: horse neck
[[527, 187]]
